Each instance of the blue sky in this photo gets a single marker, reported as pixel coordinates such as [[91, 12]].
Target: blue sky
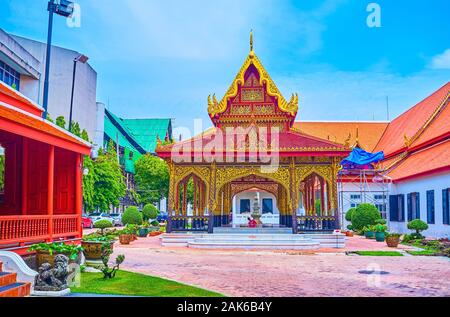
[[163, 58]]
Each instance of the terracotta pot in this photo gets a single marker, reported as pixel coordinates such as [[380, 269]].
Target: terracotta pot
[[155, 233], [349, 234], [125, 238], [93, 249], [392, 242]]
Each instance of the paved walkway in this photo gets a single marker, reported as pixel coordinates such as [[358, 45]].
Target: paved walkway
[[327, 272]]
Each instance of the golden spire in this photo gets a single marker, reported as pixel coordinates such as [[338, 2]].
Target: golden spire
[[251, 40]]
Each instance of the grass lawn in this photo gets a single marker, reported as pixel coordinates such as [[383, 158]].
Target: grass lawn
[[378, 253], [423, 252], [136, 284]]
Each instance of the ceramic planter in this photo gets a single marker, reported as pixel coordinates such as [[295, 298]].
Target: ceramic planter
[[369, 234], [379, 236], [392, 242], [93, 249], [143, 232], [125, 238]]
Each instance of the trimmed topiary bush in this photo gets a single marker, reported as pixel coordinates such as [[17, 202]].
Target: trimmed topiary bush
[[365, 215], [348, 214], [149, 212], [103, 224], [155, 223], [419, 226], [132, 216], [380, 221]]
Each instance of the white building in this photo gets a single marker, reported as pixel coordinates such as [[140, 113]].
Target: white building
[[22, 66], [413, 181]]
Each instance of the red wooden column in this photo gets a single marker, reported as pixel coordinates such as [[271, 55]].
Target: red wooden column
[[78, 192], [50, 187], [184, 211], [24, 176]]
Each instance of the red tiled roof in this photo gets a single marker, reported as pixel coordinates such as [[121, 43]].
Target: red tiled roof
[[410, 122], [429, 160], [440, 126], [289, 141], [369, 133]]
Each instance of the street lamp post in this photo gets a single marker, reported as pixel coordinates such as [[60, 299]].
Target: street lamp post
[[65, 9], [82, 59]]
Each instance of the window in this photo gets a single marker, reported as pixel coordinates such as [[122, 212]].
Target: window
[[397, 208], [379, 197], [445, 206], [354, 205], [413, 206], [430, 206], [9, 76], [245, 205], [353, 196], [267, 206], [382, 209]]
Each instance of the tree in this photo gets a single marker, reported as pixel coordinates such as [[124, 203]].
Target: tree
[[152, 178], [85, 135], [75, 129], [89, 183], [61, 122], [107, 184]]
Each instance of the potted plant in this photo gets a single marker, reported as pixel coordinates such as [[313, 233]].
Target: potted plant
[[126, 235], [46, 252], [380, 232], [392, 239], [368, 232], [92, 245], [144, 229], [102, 225]]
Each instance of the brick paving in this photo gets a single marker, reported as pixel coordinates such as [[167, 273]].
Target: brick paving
[[327, 272]]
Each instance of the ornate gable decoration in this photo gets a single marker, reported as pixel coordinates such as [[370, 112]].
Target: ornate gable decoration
[[249, 93]]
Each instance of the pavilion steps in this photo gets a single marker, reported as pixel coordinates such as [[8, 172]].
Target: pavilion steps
[[9, 287], [253, 241]]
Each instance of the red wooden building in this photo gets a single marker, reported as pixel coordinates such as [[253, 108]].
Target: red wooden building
[[40, 175]]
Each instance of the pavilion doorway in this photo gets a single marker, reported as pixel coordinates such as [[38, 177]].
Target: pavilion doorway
[[243, 205]]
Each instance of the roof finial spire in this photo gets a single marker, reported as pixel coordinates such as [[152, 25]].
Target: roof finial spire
[[251, 40]]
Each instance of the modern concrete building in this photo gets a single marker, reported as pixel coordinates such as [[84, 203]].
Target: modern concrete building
[[22, 66]]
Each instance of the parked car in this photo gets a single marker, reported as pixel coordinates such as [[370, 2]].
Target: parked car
[[87, 222], [94, 216], [163, 216], [117, 219]]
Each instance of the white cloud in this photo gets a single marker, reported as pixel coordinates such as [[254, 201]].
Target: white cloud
[[441, 61]]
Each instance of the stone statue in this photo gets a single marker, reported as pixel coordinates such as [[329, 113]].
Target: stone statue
[[53, 279], [256, 214]]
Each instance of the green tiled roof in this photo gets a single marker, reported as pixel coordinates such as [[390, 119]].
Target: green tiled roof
[[145, 131]]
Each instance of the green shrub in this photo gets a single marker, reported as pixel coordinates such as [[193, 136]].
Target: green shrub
[[348, 215], [155, 223], [365, 215], [419, 226], [149, 212], [102, 224], [381, 221], [350, 227], [132, 216]]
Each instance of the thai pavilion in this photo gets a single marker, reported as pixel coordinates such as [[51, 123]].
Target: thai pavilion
[[40, 176], [253, 152]]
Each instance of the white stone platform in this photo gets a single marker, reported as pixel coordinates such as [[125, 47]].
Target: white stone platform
[[254, 241]]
